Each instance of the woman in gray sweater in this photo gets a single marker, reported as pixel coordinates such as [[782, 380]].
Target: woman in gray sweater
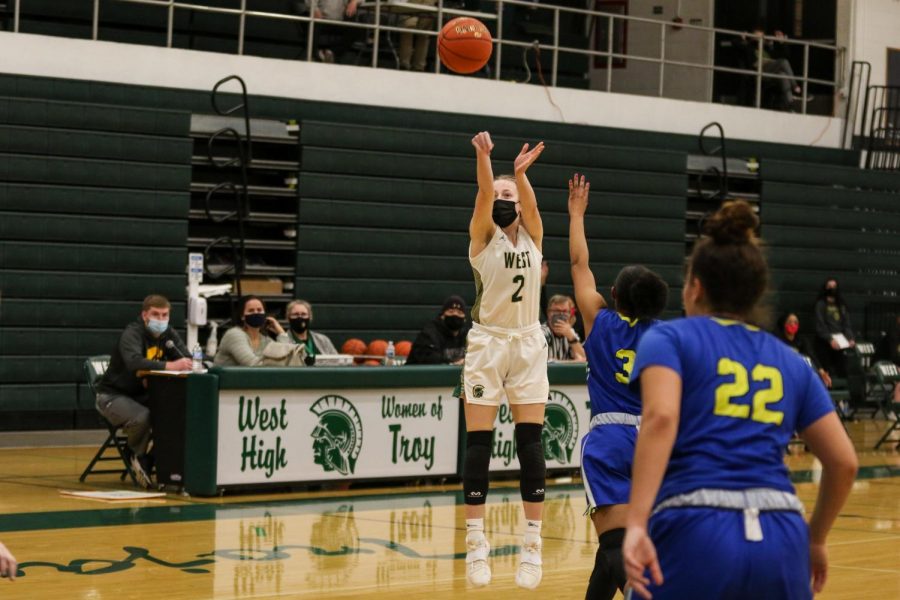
[[243, 345]]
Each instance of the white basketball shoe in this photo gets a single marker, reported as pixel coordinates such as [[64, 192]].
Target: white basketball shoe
[[478, 572], [529, 573]]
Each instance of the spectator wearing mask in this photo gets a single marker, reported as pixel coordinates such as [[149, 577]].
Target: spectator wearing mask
[[563, 342], [443, 339], [299, 314], [787, 330], [832, 319], [243, 345], [147, 344]]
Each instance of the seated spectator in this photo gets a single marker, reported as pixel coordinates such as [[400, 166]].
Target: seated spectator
[[299, 314], [832, 319], [147, 344], [410, 58], [787, 330], [894, 346], [443, 339], [243, 344], [773, 62], [331, 42], [563, 342]]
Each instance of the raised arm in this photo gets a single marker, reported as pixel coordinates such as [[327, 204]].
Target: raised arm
[[588, 299], [531, 217], [481, 227]]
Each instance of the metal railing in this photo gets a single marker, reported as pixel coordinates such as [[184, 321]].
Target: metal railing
[[377, 9]]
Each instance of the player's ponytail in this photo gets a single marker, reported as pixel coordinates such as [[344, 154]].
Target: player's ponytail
[[730, 263]]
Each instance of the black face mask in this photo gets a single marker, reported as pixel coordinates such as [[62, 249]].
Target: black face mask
[[832, 292], [453, 322], [504, 213], [255, 319], [299, 324]]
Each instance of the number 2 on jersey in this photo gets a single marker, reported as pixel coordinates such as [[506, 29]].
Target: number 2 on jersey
[[726, 392], [520, 279]]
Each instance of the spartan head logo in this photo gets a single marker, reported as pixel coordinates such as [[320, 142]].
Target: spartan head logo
[[560, 432], [478, 391], [337, 437]]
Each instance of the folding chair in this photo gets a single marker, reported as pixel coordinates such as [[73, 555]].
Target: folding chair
[[887, 375], [94, 368]]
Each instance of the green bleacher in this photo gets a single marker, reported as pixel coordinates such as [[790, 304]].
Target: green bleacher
[[94, 200], [93, 217]]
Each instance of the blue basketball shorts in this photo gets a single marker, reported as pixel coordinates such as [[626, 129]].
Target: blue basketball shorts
[[607, 453], [703, 553]]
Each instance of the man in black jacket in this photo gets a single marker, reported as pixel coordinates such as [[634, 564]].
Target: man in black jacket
[[122, 395], [443, 339]]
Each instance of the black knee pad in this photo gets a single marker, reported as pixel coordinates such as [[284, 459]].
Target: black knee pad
[[601, 585], [611, 546], [475, 468], [530, 451]]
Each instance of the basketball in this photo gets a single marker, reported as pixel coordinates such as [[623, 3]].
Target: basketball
[[376, 348], [354, 346], [403, 347], [464, 45]]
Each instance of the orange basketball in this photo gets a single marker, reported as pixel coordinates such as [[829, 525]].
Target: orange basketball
[[377, 348], [354, 346], [464, 45], [403, 347]]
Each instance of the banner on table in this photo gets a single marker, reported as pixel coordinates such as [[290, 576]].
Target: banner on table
[[567, 418], [310, 435]]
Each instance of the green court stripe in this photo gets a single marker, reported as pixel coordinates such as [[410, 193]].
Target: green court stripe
[[74, 519]]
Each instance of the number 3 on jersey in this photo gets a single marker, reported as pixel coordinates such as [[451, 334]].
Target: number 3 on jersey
[[740, 386], [627, 358]]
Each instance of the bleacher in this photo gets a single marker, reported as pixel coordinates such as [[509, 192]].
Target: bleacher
[[93, 207], [94, 194]]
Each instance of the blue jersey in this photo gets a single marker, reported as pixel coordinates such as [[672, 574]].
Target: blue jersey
[[611, 348], [744, 393]]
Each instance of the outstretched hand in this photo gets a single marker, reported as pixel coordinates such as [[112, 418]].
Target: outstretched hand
[[578, 195], [527, 157], [8, 565], [482, 142]]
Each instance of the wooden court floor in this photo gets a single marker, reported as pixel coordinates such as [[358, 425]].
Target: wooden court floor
[[368, 543]]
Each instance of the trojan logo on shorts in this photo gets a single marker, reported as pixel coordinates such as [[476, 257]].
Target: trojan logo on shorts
[[560, 433], [337, 437], [478, 391]]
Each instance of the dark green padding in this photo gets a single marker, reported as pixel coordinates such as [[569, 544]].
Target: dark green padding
[[91, 144], [814, 237], [831, 218], [92, 257], [93, 229], [201, 435], [78, 313], [83, 171], [77, 115], [413, 243], [828, 175], [45, 369], [441, 143], [826, 259], [820, 194], [98, 201], [396, 216], [404, 165], [100, 286], [250, 378], [33, 341]]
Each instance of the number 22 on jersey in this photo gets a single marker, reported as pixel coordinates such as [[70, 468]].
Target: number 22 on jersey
[[727, 392]]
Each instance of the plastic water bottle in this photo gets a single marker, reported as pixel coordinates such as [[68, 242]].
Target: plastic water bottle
[[389, 354], [197, 359]]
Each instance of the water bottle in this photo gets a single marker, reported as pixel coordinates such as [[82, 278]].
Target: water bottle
[[389, 354], [197, 359]]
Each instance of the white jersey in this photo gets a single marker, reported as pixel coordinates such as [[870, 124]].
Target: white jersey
[[507, 282]]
